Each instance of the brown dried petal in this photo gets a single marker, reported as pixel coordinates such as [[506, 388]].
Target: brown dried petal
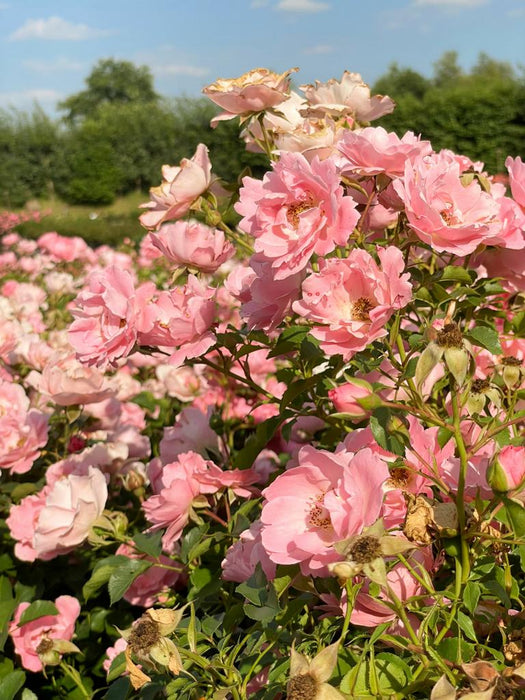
[[418, 520], [481, 675]]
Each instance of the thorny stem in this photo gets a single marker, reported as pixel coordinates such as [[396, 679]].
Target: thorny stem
[[75, 677], [460, 494]]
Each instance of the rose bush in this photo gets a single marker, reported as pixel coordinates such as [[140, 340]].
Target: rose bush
[[278, 449]]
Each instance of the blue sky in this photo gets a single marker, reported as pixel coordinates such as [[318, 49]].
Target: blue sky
[[48, 47]]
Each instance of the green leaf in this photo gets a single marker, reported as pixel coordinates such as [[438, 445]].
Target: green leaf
[[289, 340], [7, 607], [452, 649], [485, 337], [101, 573], [471, 596], [11, 684], [122, 577], [149, 543], [257, 442], [119, 690], [466, 625], [379, 424], [454, 273], [28, 695], [392, 673], [117, 668], [516, 516], [40, 608]]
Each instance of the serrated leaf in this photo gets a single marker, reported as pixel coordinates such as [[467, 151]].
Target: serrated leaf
[[454, 273], [150, 543], [122, 577], [289, 340], [485, 337], [101, 573], [39, 608]]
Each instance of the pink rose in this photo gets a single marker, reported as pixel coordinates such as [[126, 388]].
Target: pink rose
[[243, 556], [23, 431], [444, 211], [193, 244], [72, 506], [373, 150], [349, 97], [180, 187], [66, 381], [104, 326], [255, 91], [65, 248], [516, 169], [353, 298], [29, 639], [297, 210], [327, 498], [179, 318]]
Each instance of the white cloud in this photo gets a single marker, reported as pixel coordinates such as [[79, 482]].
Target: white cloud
[[56, 66], [24, 99], [179, 69], [56, 28], [319, 49], [302, 6], [449, 3]]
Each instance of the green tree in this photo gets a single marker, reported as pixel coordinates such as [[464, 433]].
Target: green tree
[[401, 81], [112, 82], [447, 71]]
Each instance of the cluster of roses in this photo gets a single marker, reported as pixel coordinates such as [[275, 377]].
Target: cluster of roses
[[335, 231]]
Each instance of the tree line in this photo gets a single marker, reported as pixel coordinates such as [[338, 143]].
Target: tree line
[[114, 135]]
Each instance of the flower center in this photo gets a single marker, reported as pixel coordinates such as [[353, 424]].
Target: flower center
[[319, 515], [44, 645], [399, 477], [511, 361], [448, 215], [479, 386], [450, 336], [143, 636], [361, 309], [365, 549], [294, 210], [303, 687]]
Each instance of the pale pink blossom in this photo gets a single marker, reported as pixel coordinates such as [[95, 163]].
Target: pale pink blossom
[[66, 381], [27, 637], [348, 97], [191, 432], [179, 318], [346, 397], [374, 150], [23, 430], [182, 383], [243, 556], [327, 498], [298, 209], [193, 244], [22, 522], [516, 169], [104, 329], [445, 212], [65, 248], [266, 301], [255, 91], [350, 300], [181, 186], [72, 505], [508, 468]]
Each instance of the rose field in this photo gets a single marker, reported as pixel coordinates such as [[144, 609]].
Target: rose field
[[275, 449]]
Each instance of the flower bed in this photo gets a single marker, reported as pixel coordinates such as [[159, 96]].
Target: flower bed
[[278, 460]]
